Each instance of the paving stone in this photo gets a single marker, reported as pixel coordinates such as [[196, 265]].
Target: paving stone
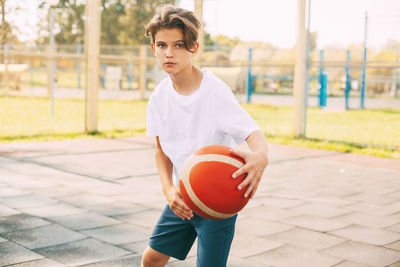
[[374, 209], [351, 264], [278, 202], [117, 208], [82, 221], [12, 192], [307, 239], [244, 245], [368, 219], [239, 262], [395, 194], [82, 252], [6, 211], [367, 235], [188, 262], [139, 197], [292, 256], [20, 222], [397, 264], [85, 200], [316, 223], [12, 253], [43, 236], [34, 184], [27, 201], [39, 263], [395, 245], [260, 227], [57, 191], [395, 228], [134, 260], [364, 254], [319, 210], [329, 190], [146, 219], [373, 199], [269, 213], [119, 234], [53, 210], [136, 247], [155, 205]]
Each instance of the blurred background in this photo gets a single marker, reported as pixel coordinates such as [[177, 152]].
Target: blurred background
[[353, 61]]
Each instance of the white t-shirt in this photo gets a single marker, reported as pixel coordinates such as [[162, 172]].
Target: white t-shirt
[[211, 115]]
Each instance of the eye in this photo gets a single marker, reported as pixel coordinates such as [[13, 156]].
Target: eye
[[161, 45], [180, 45]]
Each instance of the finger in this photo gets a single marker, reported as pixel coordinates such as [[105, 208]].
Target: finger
[[185, 210], [239, 153], [239, 172], [251, 190], [246, 181], [254, 192]]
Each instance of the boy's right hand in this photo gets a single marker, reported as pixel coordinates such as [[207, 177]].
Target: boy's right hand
[[177, 205]]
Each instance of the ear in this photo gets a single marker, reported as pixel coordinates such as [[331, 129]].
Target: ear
[[153, 48], [196, 48]]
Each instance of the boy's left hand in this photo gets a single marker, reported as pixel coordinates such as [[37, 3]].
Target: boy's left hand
[[255, 164]]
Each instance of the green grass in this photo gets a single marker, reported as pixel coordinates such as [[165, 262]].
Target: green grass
[[371, 132]]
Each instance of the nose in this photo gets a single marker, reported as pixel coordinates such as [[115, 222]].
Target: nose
[[168, 53]]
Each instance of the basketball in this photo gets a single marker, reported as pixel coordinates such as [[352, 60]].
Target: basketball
[[206, 184]]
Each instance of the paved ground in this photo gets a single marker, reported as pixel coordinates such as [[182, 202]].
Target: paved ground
[[94, 202]]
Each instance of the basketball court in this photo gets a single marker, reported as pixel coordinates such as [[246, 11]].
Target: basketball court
[[94, 202]]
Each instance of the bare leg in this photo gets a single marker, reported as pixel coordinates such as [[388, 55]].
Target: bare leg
[[152, 258]]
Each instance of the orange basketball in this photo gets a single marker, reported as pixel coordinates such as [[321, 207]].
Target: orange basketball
[[206, 184]]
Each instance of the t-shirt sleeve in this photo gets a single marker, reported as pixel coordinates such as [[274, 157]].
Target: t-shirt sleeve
[[233, 119], [151, 119]]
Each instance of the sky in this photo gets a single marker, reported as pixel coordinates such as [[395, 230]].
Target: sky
[[337, 22]]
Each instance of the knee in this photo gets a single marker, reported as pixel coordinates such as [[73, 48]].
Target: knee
[[151, 259]]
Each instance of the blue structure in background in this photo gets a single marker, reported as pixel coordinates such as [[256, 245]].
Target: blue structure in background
[[323, 81], [348, 79], [103, 80], [323, 91], [130, 75], [78, 67], [249, 77]]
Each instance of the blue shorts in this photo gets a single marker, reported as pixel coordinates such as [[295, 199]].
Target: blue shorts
[[174, 237]]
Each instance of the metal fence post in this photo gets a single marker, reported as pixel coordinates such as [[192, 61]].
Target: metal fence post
[[92, 52], [142, 70], [362, 93], [78, 66]]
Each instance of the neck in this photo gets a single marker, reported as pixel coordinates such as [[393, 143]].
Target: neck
[[187, 81]]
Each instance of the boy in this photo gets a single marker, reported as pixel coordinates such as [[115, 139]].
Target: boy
[[190, 109]]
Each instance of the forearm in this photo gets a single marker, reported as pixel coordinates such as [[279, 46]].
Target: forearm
[[164, 166], [257, 142], [171, 192]]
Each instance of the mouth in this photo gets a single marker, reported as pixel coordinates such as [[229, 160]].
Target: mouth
[[169, 64]]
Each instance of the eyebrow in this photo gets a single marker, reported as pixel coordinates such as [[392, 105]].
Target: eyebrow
[[163, 42]]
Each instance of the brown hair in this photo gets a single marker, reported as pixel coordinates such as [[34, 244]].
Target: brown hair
[[170, 17]]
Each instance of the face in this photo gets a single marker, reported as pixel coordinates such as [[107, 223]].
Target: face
[[170, 51]]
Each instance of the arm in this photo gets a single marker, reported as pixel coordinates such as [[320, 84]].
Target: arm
[[171, 192], [255, 162]]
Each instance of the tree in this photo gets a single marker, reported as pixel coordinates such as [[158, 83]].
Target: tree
[[122, 21], [133, 22]]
